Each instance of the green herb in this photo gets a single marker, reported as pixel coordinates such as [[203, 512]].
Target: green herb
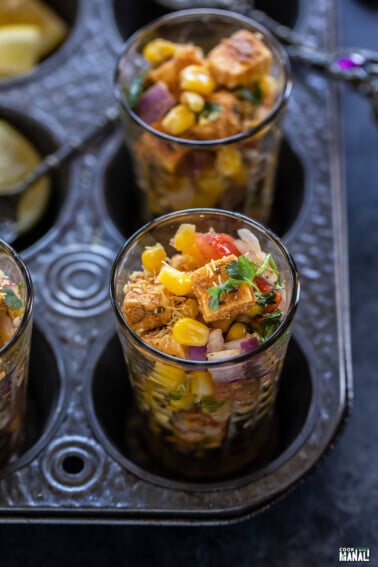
[[10, 298], [20, 286], [210, 112], [174, 397], [254, 94], [242, 271], [269, 322], [211, 405], [134, 90], [266, 299]]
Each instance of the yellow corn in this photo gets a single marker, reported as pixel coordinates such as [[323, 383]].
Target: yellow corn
[[253, 311], [268, 86], [184, 241], [193, 100], [178, 119], [236, 331], [201, 383], [228, 161], [197, 78], [175, 281], [158, 50], [182, 402], [189, 332], [153, 257], [170, 377], [222, 324], [212, 186]]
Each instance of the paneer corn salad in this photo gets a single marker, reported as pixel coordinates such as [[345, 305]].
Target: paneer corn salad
[[11, 378], [216, 298], [196, 96]]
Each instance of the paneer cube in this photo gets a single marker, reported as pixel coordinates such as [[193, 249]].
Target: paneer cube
[[232, 303], [146, 307], [162, 340], [239, 60], [159, 153], [227, 124]]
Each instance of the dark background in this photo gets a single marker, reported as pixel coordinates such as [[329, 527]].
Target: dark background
[[338, 504]]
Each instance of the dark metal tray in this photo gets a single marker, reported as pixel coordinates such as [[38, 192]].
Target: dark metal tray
[[82, 458]]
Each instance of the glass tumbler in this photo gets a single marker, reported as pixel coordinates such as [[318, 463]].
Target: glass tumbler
[[204, 419], [16, 301], [236, 172]]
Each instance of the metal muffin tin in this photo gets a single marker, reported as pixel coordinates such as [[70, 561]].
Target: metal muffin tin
[[82, 459]]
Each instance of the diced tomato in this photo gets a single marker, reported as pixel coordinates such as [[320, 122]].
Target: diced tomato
[[263, 285], [275, 305], [214, 245]]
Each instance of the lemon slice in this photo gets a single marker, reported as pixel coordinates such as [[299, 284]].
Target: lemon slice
[[18, 158], [19, 49], [52, 28]]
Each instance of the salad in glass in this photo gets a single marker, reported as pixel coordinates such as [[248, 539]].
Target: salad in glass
[[201, 95], [15, 336], [204, 302]]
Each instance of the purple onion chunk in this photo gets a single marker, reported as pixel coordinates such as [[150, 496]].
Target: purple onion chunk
[[197, 352], [154, 103], [249, 344]]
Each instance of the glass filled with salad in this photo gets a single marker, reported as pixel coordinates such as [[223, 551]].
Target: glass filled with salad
[[201, 94], [16, 300], [204, 302]]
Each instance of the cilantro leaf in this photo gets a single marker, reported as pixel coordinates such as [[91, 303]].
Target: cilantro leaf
[[210, 112], [254, 94], [269, 322], [135, 88], [266, 299], [242, 269], [10, 298]]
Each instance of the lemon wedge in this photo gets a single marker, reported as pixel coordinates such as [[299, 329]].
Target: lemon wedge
[[18, 158], [52, 27], [19, 49]]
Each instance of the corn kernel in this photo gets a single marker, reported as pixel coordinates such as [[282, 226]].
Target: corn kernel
[[201, 383], [175, 281], [222, 324], [178, 119], [236, 331], [212, 186], [184, 241], [153, 257], [170, 377], [189, 332], [197, 78], [193, 100], [268, 86], [228, 161], [253, 311], [158, 50]]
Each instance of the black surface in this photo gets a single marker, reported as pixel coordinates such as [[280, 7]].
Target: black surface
[[338, 504]]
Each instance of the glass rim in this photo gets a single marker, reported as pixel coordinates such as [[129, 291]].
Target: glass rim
[[250, 132], [198, 364], [29, 296]]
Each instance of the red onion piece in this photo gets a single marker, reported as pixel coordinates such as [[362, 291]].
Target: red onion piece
[[154, 103], [249, 344], [197, 352]]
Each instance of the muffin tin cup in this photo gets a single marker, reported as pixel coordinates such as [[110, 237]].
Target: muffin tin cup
[[86, 461]]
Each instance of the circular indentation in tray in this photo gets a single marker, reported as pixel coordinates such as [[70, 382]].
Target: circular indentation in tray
[[131, 16], [123, 203], [73, 464], [68, 10], [44, 142], [117, 424], [45, 400], [78, 280]]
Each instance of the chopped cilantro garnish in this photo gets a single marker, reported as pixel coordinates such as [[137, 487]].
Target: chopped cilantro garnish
[[134, 90], [269, 322], [243, 271], [266, 299], [210, 112], [10, 298], [254, 94]]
